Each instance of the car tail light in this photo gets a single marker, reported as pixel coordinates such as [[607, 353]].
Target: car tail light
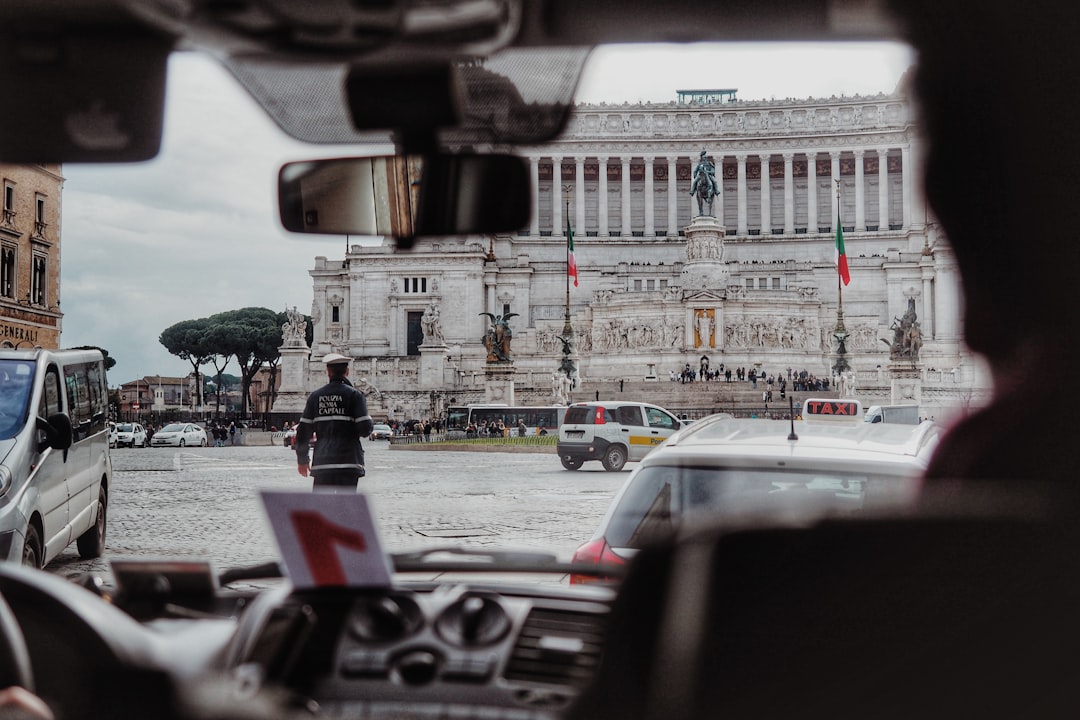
[[599, 419], [596, 553]]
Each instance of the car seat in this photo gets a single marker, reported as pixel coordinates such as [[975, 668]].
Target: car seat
[[957, 610]]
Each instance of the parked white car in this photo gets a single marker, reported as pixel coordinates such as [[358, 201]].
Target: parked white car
[[179, 435], [130, 435], [113, 433], [612, 432]]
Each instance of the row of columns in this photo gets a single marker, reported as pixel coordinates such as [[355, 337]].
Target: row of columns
[[742, 221]]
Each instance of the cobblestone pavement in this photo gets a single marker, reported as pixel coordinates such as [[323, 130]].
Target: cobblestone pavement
[[203, 502]]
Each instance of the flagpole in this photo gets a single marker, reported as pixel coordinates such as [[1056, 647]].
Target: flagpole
[[567, 365], [840, 332], [566, 191], [839, 282]]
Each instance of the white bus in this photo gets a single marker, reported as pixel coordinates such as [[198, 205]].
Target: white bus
[[538, 419]]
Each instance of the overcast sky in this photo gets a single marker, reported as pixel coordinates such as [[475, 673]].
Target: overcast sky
[[195, 232]]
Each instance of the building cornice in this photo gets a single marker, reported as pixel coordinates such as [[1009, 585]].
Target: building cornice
[[755, 124]]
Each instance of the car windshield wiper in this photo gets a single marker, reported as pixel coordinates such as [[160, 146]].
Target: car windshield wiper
[[479, 559], [434, 560]]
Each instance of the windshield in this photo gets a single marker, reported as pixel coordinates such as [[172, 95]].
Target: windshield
[[659, 499], [694, 308], [16, 384], [623, 309]]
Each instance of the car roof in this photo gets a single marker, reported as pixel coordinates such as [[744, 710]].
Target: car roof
[[615, 403], [313, 66], [769, 441]]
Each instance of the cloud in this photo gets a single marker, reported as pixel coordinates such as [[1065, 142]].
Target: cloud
[[188, 234]]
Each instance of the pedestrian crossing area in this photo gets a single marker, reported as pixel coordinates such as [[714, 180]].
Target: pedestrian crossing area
[[193, 461]]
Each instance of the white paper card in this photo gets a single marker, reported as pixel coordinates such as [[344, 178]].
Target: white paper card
[[327, 539]]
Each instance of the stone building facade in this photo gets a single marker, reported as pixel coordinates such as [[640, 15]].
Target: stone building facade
[[30, 256], [764, 293]]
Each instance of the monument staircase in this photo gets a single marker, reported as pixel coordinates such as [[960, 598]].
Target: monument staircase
[[699, 398]]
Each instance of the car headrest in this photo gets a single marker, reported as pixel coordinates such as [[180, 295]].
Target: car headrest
[[924, 616]]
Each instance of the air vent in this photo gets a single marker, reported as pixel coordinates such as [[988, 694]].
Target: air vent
[[557, 647]]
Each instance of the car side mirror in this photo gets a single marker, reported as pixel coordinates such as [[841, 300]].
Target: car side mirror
[[406, 196], [57, 431]]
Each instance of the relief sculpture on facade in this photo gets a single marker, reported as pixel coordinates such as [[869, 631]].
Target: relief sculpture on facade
[[767, 333]]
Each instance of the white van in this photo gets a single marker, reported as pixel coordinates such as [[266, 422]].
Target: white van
[[55, 468], [612, 432]]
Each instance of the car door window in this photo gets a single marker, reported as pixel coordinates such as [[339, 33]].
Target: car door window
[[660, 419], [630, 415], [50, 399], [645, 513]]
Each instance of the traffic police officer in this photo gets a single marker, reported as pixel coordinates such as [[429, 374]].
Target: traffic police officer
[[336, 416]]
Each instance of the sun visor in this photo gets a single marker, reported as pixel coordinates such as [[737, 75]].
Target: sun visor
[[88, 97], [516, 96]]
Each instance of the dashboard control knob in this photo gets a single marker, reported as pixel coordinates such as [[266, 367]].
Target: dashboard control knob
[[384, 618], [418, 667], [474, 620]]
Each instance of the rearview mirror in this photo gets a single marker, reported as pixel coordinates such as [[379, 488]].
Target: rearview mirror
[[406, 196]]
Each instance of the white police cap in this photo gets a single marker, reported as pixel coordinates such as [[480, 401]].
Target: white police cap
[[335, 359]]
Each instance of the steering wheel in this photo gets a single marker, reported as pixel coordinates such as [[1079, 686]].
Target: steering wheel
[[14, 657]]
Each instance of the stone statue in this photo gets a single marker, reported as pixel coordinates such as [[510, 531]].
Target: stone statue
[[914, 340], [431, 324], [706, 326], [560, 387], [498, 336], [845, 384], [294, 330], [704, 185], [557, 388], [907, 336]]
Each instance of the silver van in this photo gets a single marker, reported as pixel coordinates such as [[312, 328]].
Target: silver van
[[55, 468]]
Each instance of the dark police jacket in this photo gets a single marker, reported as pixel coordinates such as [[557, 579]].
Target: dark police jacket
[[336, 414]]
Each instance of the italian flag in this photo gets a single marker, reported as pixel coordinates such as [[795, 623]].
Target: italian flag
[[841, 253], [571, 264]]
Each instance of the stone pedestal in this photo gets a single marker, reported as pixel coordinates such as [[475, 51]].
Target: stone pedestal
[[499, 383], [905, 382], [292, 393], [433, 367], [704, 268]]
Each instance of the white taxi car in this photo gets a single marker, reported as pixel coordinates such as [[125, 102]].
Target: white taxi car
[[829, 463], [130, 435], [612, 432], [179, 435]]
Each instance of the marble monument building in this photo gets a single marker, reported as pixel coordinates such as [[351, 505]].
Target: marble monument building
[[757, 288]]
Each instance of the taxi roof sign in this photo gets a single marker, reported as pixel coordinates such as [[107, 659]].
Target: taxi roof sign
[[831, 409]]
